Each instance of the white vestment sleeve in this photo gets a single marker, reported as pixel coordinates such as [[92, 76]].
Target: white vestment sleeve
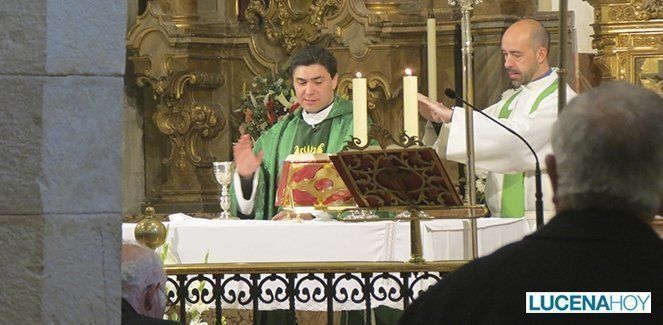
[[430, 136], [243, 205], [440, 144], [495, 148]]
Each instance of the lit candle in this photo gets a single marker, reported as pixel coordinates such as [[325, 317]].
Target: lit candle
[[410, 113], [359, 109], [431, 45]]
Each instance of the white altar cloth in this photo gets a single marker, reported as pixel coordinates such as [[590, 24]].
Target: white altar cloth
[[230, 241], [189, 240]]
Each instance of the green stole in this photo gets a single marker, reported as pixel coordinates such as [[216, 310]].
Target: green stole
[[513, 185]]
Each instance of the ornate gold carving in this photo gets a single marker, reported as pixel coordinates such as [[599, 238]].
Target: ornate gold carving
[[604, 67], [653, 9], [622, 12], [648, 40], [322, 9], [254, 12], [377, 84], [378, 94], [378, 97], [182, 12], [622, 40], [182, 85], [636, 10], [628, 31], [374, 35], [384, 139], [184, 121], [621, 66], [174, 62], [290, 29], [142, 64]]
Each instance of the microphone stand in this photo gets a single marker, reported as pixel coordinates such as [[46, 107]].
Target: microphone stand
[[537, 168]]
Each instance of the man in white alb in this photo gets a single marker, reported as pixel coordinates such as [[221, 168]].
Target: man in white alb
[[530, 110]]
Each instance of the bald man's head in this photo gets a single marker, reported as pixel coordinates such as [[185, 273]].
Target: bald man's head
[[533, 30], [525, 48]]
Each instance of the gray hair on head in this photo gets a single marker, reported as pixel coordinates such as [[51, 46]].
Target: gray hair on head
[[141, 267], [608, 148]]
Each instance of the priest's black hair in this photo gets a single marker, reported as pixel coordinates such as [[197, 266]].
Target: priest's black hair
[[314, 54]]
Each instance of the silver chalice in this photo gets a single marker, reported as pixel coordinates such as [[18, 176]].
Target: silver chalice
[[223, 173]]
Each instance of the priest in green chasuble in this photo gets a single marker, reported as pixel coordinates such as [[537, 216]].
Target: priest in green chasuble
[[321, 124]]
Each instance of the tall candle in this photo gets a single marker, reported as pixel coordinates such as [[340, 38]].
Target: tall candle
[[359, 109], [431, 46], [410, 113]]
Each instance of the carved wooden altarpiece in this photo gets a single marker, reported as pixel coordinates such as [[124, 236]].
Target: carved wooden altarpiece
[[189, 60], [629, 41]]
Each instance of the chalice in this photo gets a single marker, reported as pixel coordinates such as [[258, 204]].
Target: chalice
[[223, 173]]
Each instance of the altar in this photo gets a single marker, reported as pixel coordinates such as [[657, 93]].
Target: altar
[[239, 243], [191, 240]]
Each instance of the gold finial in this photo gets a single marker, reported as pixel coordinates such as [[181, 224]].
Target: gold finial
[[149, 211], [150, 231]]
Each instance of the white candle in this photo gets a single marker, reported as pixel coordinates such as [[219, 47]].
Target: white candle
[[359, 109], [431, 45], [410, 113]]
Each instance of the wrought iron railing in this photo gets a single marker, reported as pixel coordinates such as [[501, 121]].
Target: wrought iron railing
[[330, 284]]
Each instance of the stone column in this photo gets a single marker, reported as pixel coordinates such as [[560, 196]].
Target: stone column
[[61, 113]]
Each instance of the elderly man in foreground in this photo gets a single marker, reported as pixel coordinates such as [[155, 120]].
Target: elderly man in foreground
[[607, 178], [143, 287]]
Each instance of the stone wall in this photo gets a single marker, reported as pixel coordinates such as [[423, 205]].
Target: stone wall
[[61, 121]]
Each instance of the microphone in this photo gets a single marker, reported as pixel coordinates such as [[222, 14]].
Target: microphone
[[537, 169]]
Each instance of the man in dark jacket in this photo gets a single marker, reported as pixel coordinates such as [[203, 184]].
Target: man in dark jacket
[[143, 287], [607, 177]]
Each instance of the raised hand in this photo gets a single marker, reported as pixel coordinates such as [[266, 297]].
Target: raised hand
[[246, 162], [433, 111]]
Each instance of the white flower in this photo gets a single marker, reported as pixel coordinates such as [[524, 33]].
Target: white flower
[[481, 184], [253, 99], [266, 98], [197, 308], [196, 320]]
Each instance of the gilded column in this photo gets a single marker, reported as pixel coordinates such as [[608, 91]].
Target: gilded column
[[181, 83]]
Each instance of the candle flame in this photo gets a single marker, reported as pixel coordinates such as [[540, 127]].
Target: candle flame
[[408, 72], [358, 74]]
